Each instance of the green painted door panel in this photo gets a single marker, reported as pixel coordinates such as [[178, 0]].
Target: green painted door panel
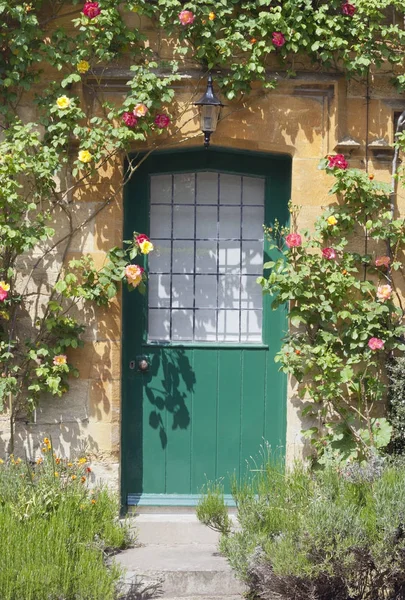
[[202, 410]]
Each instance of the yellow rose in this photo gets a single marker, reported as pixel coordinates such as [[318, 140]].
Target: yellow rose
[[83, 66], [63, 102], [4, 286], [85, 156], [140, 110], [331, 220], [60, 359], [211, 16], [146, 247]]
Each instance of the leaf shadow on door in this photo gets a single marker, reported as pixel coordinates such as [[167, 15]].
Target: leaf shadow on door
[[176, 378]]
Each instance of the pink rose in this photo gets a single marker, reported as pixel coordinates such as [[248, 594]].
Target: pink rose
[[134, 273], [278, 39], [337, 161], [140, 110], [348, 9], [383, 261], [329, 253], [3, 294], [162, 121], [91, 9], [293, 240], [375, 343], [129, 119], [186, 17], [384, 292]]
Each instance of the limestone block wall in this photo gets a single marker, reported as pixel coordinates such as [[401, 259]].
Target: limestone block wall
[[305, 117]]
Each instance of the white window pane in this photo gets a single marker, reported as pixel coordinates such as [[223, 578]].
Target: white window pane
[[229, 257], [182, 291], [207, 188], [228, 291], [230, 189], [183, 256], [160, 221], [251, 292], [206, 291], [159, 259], [252, 257], [184, 188], [183, 222], [251, 326], [159, 291], [207, 217], [159, 324], [229, 222], [253, 190], [228, 325], [205, 325], [161, 188], [206, 257], [182, 324], [252, 223]]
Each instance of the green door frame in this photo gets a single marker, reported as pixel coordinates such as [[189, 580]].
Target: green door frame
[[277, 170]]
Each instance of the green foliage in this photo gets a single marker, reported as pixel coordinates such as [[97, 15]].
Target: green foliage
[[211, 509], [325, 534], [55, 532]]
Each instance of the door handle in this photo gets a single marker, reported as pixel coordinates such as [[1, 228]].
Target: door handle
[[143, 365]]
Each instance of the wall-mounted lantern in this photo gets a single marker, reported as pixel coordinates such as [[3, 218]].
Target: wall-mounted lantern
[[210, 107]]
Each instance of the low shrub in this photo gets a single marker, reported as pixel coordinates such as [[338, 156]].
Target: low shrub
[[56, 533], [335, 534]]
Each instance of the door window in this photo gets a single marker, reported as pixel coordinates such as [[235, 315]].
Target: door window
[[208, 233]]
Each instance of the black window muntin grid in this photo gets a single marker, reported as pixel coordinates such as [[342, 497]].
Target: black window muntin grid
[[194, 309]]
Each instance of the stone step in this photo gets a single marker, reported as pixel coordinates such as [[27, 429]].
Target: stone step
[[181, 571], [172, 529]]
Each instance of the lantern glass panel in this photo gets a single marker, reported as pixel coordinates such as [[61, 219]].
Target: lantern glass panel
[[209, 117]]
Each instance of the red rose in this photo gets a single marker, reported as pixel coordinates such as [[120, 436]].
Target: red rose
[[329, 253], [91, 9], [348, 9], [338, 161], [129, 119], [278, 39], [141, 238], [162, 121], [293, 240]]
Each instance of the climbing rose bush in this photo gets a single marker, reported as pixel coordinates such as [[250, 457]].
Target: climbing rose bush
[[345, 313]]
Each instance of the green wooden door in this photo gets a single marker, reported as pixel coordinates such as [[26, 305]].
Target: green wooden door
[[212, 394]]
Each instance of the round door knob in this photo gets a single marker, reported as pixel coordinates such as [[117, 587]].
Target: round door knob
[[143, 365]]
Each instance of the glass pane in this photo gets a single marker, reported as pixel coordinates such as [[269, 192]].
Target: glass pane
[[160, 221], [159, 259], [183, 256], [251, 326], [182, 291], [251, 292], [207, 188], [205, 325], [230, 190], [159, 324], [206, 291], [228, 291], [184, 188], [252, 223], [161, 188], [207, 217], [159, 291], [206, 257], [252, 257], [183, 222], [228, 325], [229, 222], [182, 324], [253, 191], [229, 257]]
